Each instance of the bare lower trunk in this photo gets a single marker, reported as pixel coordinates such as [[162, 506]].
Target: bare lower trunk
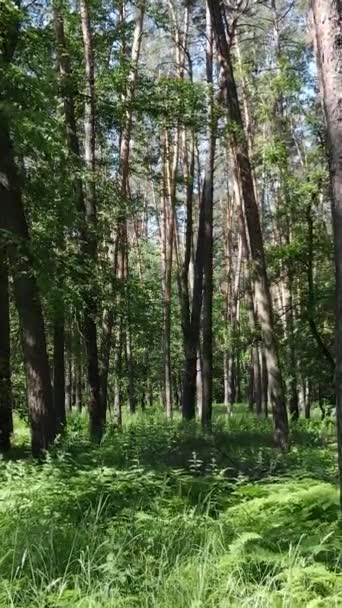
[[26, 293], [59, 370], [77, 366], [27, 299], [96, 414], [6, 422], [118, 374], [264, 383]]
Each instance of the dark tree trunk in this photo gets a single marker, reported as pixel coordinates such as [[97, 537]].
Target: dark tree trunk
[[311, 292], [27, 299], [59, 370], [308, 401], [6, 422], [26, 293], [78, 370], [192, 333], [264, 382]]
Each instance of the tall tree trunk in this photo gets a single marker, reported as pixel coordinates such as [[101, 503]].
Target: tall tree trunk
[[26, 293], [328, 30], [6, 422], [96, 412], [207, 318], [27, 299], [85, 202], [263, 294]]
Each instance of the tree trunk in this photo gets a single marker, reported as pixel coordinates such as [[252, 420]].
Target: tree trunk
[[96, 413], [207, 318], [85, 202], [26, 293], [27, 299], [59, 370], [6, 422], [262, 289], [328, 31]]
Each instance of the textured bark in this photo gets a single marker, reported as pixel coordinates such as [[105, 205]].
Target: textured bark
[[59, 370], [6, 422], [328, 32], [241, 155], [26, 292], [207, 318]]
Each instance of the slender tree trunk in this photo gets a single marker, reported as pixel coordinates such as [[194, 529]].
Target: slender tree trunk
[[85, 201], [294, 399], [207, 320], [6, 422], [59, 369], [264, 382], [96, 413], [118, 377], [263, 294], [78, 370], [308, 401]]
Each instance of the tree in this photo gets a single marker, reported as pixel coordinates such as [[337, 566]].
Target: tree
[[327, 16], [6, 422], [243, 167], [13, 223], [85, 201]]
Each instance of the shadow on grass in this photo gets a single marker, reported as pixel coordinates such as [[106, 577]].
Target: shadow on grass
[[152, 457]]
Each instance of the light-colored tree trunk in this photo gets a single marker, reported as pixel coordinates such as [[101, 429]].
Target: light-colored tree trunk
[[327, 16]]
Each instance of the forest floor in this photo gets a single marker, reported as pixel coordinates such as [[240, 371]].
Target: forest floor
[[164, 516]]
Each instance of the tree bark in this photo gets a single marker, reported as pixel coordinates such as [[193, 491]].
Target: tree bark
[[26, 292], [59, 369], [96, 412], [328, 32], [6, 421], [207, 318]]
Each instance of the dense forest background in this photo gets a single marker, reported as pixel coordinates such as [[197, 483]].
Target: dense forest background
[[152, 255], [170, 303]]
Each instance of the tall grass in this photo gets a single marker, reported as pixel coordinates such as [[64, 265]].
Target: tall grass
[[164, 516]]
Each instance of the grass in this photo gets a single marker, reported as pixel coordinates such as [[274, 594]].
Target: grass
[[164, 516]]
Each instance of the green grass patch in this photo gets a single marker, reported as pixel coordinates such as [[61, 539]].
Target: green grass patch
[[163, 515]]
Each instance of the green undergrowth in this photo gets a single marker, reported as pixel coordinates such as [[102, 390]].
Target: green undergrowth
[[163, 515]]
